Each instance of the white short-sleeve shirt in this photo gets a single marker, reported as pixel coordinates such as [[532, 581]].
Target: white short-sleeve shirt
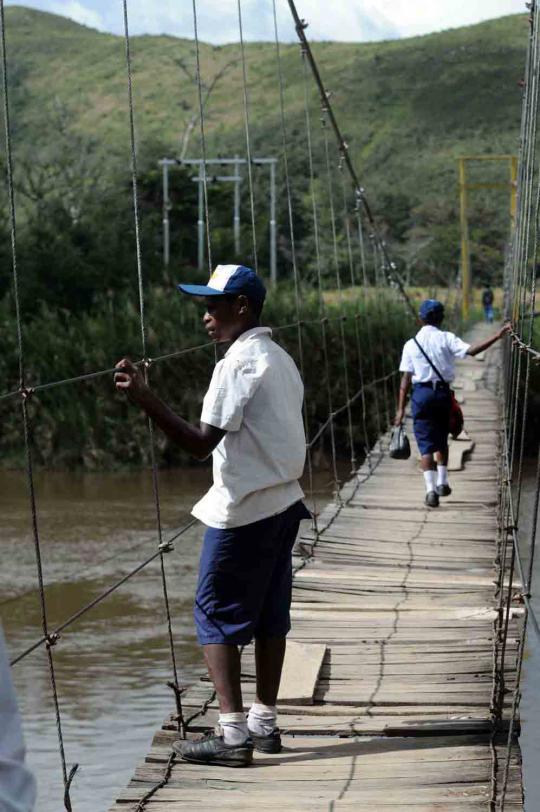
[[255, 395], [442, 347]]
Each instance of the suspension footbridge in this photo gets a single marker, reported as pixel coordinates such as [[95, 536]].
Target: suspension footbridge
[[407, 703], [410, 623]]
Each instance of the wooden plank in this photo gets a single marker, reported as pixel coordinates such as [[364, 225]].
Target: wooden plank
[[458, 451], [300, 673]]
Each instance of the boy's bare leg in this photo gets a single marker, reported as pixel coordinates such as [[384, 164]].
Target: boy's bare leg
[[262, 718], [223, 662], [269, 656], [230, 746], [428, 462], [442, 457]]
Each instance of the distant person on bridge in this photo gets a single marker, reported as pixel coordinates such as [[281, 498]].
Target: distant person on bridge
[[430, 401], [487, 304], [252, 423]]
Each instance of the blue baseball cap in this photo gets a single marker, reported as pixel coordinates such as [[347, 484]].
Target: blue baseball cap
[[236, 280], [429, 307]]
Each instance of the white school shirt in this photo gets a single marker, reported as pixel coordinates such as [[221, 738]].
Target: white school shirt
[[17, 784], [442, 347], [255, 395]]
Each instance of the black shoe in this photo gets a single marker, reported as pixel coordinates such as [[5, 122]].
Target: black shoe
[[211, 749], [270, 743], [432, 499], [444, 490]]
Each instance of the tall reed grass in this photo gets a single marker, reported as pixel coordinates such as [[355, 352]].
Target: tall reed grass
[[88, 424]]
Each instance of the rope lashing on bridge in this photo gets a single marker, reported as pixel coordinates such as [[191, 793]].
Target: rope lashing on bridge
[[520, 302], [374, 387]]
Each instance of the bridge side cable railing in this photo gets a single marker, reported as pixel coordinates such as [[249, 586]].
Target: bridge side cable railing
[[84, 377], [364, 358], [521, 378]]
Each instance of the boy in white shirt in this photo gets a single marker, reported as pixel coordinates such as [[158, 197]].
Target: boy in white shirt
[[430, 401], [251, 423]]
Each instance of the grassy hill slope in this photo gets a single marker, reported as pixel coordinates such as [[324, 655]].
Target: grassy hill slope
[[407, 107]]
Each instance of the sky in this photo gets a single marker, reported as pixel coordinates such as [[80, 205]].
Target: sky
[[345, 20]]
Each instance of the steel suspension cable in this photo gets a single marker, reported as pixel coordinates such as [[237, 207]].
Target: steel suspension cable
[[521, 287], [202, 135], [365, 300], [89, 376], [380, 280], [344, 353], [52, 637], [523, 224], [318, 262], [296, 275], [67, 778], [354, 284], [248, 137], [300, 26], [155, 483]]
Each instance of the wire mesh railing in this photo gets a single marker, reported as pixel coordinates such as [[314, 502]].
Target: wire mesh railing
[[519, 441]]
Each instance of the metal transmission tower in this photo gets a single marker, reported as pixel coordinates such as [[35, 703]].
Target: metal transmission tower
[[236, 179]]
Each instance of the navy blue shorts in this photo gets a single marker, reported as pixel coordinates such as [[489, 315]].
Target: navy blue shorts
[[431, 418], [245, 580]]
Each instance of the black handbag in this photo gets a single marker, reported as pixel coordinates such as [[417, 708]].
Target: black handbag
[[400, 447]]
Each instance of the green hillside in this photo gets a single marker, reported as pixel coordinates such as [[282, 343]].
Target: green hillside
[[408, 107]]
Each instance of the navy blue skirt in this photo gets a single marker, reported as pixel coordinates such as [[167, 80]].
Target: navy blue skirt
[[431, 418]]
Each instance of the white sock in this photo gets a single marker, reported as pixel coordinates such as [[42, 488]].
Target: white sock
[[430, 478], [262, 719], [442, 475], [234, 727]]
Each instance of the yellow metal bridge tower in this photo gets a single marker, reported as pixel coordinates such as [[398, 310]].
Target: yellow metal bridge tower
[[464, 188]]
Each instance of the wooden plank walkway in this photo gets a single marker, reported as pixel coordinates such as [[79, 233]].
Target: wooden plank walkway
[[404, 599]]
